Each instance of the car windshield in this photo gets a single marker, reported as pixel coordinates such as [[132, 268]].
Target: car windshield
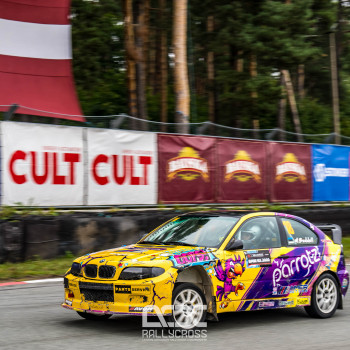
[[203, 231]]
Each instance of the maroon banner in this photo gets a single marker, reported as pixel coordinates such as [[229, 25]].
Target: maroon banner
[[290, 172], [242, 170], [186, 169]]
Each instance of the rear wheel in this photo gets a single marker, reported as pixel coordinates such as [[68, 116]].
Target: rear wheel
[[325, 297], [93, 317], [189, 306]]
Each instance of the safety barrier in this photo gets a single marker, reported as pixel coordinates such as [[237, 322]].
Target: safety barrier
[[47, 165]]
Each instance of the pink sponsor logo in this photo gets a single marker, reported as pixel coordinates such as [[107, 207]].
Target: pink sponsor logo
[[192, 257]]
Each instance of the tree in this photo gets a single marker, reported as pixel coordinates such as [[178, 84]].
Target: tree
[[180, 71]]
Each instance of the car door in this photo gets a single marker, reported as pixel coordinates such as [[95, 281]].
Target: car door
[[293, 274], [247, 271]]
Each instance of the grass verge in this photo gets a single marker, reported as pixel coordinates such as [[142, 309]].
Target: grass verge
[[38, 268], [35, 269]]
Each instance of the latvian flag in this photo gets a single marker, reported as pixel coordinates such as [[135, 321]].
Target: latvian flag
[[35, 59]]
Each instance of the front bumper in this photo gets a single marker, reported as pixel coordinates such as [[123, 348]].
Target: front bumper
[[151, 296]]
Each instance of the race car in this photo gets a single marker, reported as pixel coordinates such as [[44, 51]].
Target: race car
[[198, 265]]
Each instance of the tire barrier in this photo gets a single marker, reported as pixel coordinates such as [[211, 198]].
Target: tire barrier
[[81, 233]]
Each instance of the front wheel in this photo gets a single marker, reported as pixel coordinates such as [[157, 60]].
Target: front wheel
[[325, 297], [93, 317], [189, 306]]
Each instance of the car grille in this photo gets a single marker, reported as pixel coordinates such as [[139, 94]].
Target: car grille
[[97, 291], [91, 270], [106, 271]]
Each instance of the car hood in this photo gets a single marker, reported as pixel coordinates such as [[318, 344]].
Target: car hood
[[151, 255]]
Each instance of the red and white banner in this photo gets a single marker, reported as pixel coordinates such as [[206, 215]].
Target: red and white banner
[[122, 167], [41, 165], [35, 58]]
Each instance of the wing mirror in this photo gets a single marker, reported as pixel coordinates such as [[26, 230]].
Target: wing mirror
[[235, 245]]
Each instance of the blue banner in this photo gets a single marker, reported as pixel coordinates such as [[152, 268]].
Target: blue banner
[[330, 165]]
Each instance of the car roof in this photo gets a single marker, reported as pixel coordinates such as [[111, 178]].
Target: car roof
[[217, 213]]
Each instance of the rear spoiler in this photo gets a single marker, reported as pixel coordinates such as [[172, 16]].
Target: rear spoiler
[[332, 230]]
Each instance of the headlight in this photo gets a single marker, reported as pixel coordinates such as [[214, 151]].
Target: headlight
[[140, 273], [75, 269]]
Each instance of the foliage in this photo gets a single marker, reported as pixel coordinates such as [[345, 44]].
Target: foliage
[[273, 34]]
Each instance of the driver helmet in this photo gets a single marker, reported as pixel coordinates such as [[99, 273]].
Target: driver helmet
[[251, 233]]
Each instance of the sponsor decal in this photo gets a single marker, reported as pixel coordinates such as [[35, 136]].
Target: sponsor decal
[[321, 172], [289, 289], [193, 257], [303, 301], [266, 304], [141, 308], [242, 168], [345, 283], [290, 169], [304, 262], [261, 258], [68, 302], [305, 240], [188, 166], [123, 289], [140, 289], [284, 303]]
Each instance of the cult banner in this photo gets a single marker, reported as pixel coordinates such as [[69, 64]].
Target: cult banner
[[122, 167], [242, 170], [330, 172], [186, 169], [289, 172], [41, 165]]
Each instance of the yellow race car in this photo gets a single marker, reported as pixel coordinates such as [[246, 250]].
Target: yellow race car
[[196, 266]]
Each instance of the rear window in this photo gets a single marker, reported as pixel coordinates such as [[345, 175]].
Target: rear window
[[298, 234]]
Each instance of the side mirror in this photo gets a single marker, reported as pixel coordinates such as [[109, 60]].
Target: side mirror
[[235, 245]]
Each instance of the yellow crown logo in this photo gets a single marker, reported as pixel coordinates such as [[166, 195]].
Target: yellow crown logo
[[242, 168], [290, 169], [188, 166]]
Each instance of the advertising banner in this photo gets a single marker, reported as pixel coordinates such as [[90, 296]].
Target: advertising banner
[[122, 167], [289, 172], [330, 172], [186, 169], [242, 170], [41, 164]]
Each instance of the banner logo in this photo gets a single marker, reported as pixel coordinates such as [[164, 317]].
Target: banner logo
[[321, 172], [242, 168], [290, 169], [188, 165]]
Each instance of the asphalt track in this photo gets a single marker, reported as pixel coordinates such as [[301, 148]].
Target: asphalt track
[[31, 318]]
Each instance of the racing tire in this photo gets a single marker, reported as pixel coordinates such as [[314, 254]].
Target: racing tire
[[93, 317], [189, 306], [324, 297]]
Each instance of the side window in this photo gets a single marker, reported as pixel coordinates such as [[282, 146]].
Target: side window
[[259, 233], [298, 234]]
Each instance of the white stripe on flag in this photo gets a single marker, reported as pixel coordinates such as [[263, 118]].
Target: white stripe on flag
[[23, 39]]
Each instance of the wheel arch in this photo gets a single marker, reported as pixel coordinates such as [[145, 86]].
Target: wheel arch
[[334, 274], [198, 276]]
